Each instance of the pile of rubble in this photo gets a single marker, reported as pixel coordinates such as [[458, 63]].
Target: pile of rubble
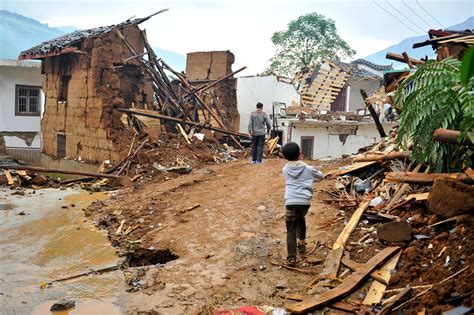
[[406, 241]]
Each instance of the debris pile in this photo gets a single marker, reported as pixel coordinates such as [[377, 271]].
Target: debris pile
[[406, 238]]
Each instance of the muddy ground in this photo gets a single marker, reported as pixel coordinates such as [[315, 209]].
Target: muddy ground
[[225, 253], [225, 246]]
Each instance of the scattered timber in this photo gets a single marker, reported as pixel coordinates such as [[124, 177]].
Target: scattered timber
[[347, 285], [401, 58]]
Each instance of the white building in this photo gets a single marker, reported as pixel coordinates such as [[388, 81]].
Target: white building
[[21, 106], [331, 139], [268, 90]]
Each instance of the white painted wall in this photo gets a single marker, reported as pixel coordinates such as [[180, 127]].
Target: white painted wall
[[265, 89], [18, 72], [327, 145], [355, 98]]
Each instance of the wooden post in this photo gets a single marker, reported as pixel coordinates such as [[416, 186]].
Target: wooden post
[[373, 114]]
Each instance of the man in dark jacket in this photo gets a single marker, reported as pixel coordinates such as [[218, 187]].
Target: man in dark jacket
[[259, 126]]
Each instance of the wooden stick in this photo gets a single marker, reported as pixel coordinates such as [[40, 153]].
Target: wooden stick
[[177, 120], [383, 157], [54, 170], [396, 299], [450, 136], [373, 114]]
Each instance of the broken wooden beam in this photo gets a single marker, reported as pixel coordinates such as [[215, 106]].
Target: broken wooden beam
[[56, 171], [421, 178], [383, 157], [151, 114], [388, 307], [400, 58], [450, 136], [354, 220], [354, 266], [347, 286], [373, 114]]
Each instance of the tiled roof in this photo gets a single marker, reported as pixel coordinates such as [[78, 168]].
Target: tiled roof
[[372, 65], [69, 42]]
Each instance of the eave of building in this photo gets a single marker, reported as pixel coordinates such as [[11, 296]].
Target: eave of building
[[66, 50], [19, 63]]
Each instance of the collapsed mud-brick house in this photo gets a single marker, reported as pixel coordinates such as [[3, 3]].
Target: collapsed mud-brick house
[[207, 67], [21, 105], [85, 74]]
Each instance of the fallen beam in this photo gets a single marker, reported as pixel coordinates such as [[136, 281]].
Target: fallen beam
[[400, 58], [178, 120], [383, 157], [450, 136], [347, 286], [56, 171], [421, 178], [373, 114]]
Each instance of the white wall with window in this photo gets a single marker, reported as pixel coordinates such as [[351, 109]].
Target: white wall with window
[[21, 102]]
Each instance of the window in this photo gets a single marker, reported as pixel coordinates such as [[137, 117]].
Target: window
[[28, 100]]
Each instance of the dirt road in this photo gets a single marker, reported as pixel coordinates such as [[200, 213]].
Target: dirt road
[[225, 246]]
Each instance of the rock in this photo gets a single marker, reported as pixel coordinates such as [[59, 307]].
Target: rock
[[396, 231], [261, 208], [281, 284], [181, 169], [63, 305], [449, 198]]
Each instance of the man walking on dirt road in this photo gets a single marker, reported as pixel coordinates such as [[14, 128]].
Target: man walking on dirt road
[[259, 126]]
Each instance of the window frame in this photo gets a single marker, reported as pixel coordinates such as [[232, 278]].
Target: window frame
[[17, 97]]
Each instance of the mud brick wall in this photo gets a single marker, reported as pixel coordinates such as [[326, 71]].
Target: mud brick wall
[[98, 80], [212, 65]]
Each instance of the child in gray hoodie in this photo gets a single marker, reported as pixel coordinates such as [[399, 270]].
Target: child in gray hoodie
[[299, 179]]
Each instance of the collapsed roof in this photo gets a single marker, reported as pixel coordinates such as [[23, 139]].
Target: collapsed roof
[[71, 42]]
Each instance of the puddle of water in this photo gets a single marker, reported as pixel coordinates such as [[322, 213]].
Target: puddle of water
[[51, 242], [90, 307]]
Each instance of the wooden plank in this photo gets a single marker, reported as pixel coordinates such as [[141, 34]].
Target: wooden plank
[[9, 177], [332, 262], [421, 178], [347, 286], [354, 167], [400, 191], [338, 305], [377, 289], [185, 136], [346, 233], [354, 266], [418, 196]]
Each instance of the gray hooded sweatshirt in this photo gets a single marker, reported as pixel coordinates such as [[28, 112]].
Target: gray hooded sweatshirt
[[299, 182]]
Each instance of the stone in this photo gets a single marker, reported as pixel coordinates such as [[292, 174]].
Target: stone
[[449, 198], [62, 305], [396, 231]]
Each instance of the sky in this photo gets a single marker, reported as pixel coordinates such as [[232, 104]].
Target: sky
[[246, 26]]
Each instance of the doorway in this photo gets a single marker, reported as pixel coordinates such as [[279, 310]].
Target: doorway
[[307, 147]]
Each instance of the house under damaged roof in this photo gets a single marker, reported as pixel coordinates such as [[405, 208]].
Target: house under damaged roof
[[86, 73]]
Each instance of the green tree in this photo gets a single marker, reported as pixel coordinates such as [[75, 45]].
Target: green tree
[[433, 97], [307, 40]]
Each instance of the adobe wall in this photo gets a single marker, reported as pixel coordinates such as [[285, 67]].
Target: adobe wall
[[99, 79], [212, 65]]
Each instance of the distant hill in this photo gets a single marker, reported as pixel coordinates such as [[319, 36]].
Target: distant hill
[[18, 33], [407, 44]]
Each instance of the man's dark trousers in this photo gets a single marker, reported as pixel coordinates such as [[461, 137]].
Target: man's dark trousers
[[257, 148]]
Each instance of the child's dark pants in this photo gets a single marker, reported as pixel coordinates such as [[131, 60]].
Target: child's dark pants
[[295, 226]]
